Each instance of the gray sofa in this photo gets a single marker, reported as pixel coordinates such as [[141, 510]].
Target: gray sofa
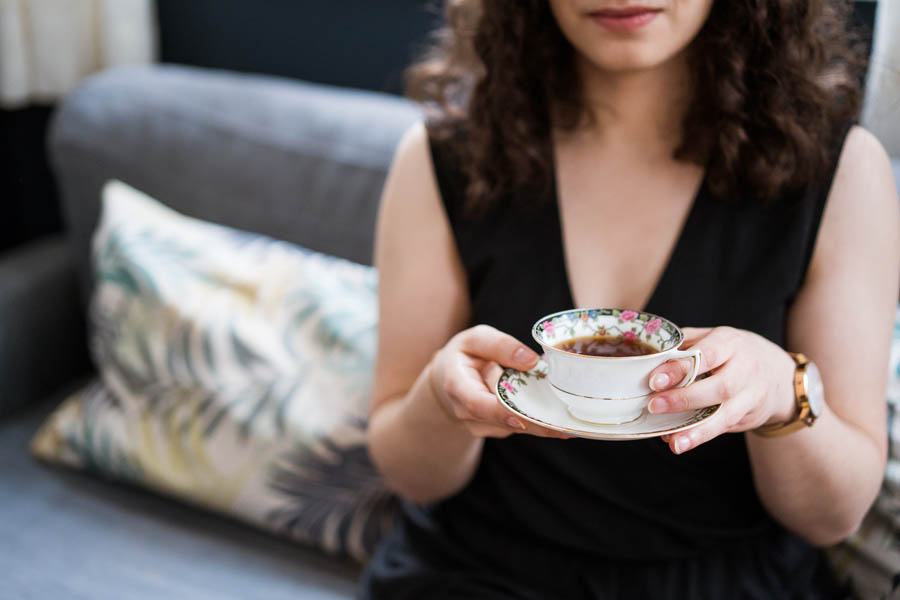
[[298, 162]]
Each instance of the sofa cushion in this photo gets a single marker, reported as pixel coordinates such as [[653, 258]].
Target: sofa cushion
[[68, 535], [236, 374], [298, 162]]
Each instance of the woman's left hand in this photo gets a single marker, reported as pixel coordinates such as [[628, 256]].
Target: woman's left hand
[[751, 377]]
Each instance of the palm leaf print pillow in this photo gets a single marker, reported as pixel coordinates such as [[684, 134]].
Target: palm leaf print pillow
[[234, 373]]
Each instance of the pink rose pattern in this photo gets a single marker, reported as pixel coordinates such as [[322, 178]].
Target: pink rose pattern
[[511, 382], [650, 327]]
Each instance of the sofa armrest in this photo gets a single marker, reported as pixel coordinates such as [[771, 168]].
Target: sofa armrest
[[42, 329]]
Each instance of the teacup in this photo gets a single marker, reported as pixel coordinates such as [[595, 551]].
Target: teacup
[[608, 389]]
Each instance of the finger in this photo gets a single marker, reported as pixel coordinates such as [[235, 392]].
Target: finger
[[673, 372], [539, 431], [474, 405], [716, 347], [470, 400], [692, 334], [488, 343], [698, 395], [474, 402], [490, 411], [724, 421], [519, 425], [489, 431], [494, 413], [491, 373], [725, 384], [669, 374]]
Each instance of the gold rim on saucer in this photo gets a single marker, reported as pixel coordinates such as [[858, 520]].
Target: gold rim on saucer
[[528, 396]]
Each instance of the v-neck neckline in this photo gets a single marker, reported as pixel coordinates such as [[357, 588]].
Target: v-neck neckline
[[677, 248]]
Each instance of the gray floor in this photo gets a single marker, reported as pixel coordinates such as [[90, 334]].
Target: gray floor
[[64, 535]]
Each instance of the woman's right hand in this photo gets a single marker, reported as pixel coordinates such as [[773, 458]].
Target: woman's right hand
[[464, 374]]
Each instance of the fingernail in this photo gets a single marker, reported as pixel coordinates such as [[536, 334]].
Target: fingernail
[[660, 381], [524, 356], [515, 423], [682, 444], [658, 406]]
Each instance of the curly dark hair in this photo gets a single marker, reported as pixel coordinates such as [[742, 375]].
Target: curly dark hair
[[775, 81]]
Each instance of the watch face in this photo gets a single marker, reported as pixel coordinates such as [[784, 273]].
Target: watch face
[[815, 390]]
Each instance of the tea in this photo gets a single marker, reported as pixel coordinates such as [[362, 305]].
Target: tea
[[606, 345]]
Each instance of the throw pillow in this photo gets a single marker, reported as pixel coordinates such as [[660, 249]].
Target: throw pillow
[[235, 373]]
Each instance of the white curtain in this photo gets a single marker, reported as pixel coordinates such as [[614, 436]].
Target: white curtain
[[882, 109], [48, 46]]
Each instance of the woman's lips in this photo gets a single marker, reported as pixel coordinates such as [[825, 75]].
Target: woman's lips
[[624, 19]]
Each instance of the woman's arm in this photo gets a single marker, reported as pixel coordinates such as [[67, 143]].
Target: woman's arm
[[820, 481], [431, 407]]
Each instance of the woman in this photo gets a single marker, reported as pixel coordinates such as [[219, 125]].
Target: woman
[[690, 158]]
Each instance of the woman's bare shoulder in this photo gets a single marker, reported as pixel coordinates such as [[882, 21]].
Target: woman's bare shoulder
[[421, 278], [410, 191], [862, 204], [856, 261], [412, 150], [864, 166]]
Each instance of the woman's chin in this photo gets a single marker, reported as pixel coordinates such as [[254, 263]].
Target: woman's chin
[[627, 57]]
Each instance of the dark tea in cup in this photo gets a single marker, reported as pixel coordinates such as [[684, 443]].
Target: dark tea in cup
[[605, 345]]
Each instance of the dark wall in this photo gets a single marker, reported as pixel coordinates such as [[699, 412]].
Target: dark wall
[[353, 43], [864, 21], [28, 201], [349, 43]]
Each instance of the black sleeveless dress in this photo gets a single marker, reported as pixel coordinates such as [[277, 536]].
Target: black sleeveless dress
[[578, 518]]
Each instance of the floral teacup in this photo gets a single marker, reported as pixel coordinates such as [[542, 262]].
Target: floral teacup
[[608, 389]]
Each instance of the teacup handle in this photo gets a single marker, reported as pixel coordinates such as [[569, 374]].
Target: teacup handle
[[694, 354]]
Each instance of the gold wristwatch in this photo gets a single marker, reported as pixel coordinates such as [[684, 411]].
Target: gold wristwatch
[[809, 394]]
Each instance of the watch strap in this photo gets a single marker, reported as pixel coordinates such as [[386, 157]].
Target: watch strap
[[777, 429], [802, 417]]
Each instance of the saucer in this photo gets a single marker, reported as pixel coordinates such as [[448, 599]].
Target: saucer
[[528, 395]]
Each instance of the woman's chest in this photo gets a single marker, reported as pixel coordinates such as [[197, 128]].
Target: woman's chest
[[620, 224], [726, 265]]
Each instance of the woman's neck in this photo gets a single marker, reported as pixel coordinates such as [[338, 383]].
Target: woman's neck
[[642, 109]]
